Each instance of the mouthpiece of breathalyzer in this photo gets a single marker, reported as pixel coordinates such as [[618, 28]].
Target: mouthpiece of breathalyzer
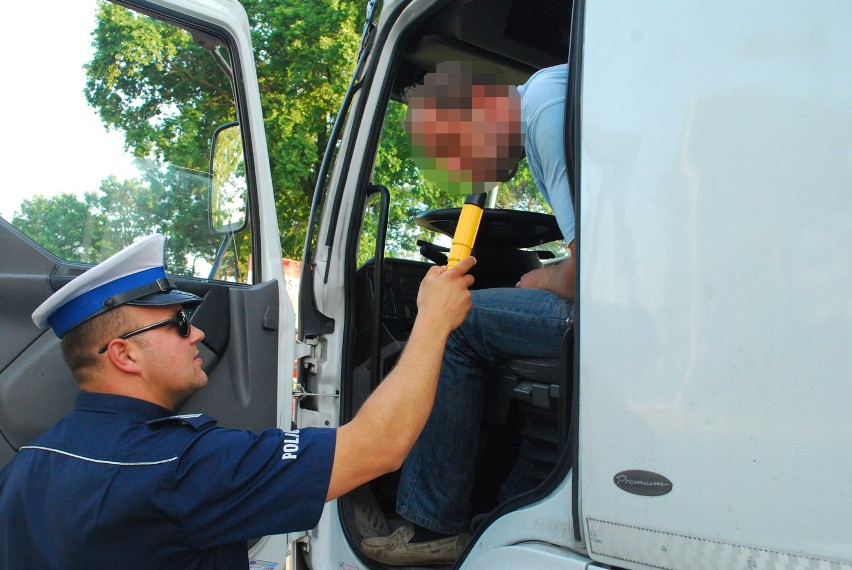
[[468, 225]]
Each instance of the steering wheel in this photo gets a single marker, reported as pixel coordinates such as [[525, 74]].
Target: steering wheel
[[498, 228]]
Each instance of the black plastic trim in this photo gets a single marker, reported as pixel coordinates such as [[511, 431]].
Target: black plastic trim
[[573, 144], [378, 281]]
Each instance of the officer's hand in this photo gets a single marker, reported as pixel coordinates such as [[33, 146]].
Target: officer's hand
[[444, 300]]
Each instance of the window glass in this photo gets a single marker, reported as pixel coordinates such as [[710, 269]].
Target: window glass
[[110, 138]]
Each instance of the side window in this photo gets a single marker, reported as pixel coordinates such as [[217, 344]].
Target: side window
[[411, 194], [111, 139]]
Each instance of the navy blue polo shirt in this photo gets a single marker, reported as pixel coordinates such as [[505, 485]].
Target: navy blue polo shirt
[[123, 483]]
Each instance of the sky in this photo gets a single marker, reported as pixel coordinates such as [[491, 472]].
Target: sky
[[52, 141]]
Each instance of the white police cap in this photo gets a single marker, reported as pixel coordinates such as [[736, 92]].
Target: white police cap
[[135, 275]]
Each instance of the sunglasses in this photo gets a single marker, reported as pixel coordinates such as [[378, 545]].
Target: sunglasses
[[180, 320]]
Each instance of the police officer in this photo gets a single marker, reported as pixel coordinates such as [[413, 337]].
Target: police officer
[[122, 482]]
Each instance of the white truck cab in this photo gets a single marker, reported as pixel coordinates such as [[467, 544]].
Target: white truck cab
[[697, 416]]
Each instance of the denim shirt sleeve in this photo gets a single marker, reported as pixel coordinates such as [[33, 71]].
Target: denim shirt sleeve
[[543, 115]]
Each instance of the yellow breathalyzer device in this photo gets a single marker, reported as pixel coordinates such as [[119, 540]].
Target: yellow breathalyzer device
[[468, 225]]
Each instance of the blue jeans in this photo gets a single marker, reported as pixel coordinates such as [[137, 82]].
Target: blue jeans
[[437, 477]]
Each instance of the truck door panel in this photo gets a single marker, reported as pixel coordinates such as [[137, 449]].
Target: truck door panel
[[36, 387]]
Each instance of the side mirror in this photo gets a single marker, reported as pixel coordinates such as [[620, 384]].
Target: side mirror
[[228, 189]]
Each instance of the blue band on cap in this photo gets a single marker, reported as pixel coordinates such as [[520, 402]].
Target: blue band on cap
[[91, 302]]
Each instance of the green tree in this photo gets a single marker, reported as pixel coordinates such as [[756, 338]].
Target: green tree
[[305, 54], [166, 200], [521, 193], [177, 198], [62, 225], [167, 94], [152, 82], [91, 229]]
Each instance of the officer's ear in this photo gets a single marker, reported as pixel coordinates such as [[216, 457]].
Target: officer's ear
[[124, 355]]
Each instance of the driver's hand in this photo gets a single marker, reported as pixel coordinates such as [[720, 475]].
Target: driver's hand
[[557, 278]]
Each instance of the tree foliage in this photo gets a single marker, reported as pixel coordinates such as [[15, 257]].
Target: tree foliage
[[305, 54], [167, 94], [150, 80], [62, 225], [89, 230]]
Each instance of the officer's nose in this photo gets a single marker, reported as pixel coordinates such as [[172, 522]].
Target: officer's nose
[[196, 333]]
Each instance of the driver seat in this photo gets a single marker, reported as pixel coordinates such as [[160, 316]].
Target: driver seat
[[542, 388]]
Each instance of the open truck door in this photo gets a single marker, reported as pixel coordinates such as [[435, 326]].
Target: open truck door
[[212, 199]]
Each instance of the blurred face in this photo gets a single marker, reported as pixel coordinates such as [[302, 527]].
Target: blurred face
[[479, 143], [170, 361]]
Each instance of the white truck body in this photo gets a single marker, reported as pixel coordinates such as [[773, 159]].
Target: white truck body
[[714, 325]]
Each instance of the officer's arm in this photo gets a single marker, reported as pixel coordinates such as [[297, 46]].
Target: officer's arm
[[379, 437]]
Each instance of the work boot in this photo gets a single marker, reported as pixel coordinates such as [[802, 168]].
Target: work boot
[[398, 550]]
